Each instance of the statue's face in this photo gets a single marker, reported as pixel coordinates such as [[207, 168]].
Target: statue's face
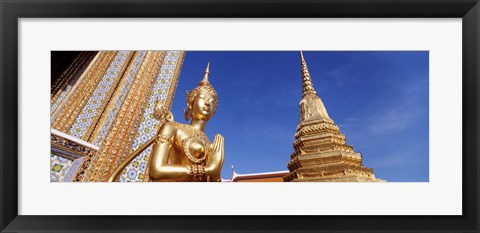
[[203, 106]]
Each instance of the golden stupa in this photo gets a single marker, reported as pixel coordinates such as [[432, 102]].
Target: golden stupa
[[321, 154]]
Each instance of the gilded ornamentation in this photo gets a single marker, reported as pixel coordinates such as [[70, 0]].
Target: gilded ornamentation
[[311, 106], [193, 134], [101, 95], [149, 78], [183, 152], [68, 148], [321, 153], [68, 78], [203, 86], [107, 150], [196, 173], [161, 96], [117, 100], [66, 157], [73, 105], [119, 141], [67, 74], [164, 139], [57, 101]]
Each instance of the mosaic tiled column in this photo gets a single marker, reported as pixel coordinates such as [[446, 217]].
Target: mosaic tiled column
[[109, 103], [117, 99], [91, 112], [76, 67], [64, 117], [163, 92], [130, 109], [63, 85]]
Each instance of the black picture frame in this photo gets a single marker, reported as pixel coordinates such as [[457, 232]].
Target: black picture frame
[[11, 11]]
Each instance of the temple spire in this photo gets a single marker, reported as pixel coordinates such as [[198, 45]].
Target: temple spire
[[321, 153], [307, 85], [311, 106]]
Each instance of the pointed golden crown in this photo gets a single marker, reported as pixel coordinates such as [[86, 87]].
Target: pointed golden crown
[[203, 86]]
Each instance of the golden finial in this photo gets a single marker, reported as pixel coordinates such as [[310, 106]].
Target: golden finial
[[306, 81], [205, 76], [311, 106]]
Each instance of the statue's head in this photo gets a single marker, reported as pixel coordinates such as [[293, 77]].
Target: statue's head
[[202, 101]]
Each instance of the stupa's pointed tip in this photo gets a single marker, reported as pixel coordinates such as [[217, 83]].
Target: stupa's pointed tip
[[306, 81], [207, 70]]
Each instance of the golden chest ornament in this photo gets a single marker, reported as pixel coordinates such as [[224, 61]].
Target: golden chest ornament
[[194, 135]]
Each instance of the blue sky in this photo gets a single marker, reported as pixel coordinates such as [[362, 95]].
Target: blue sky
[[379, 100]]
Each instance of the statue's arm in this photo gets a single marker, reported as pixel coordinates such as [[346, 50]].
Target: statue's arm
[[160, 170]]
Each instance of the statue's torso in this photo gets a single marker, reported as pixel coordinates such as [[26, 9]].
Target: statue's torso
[[190, 146]]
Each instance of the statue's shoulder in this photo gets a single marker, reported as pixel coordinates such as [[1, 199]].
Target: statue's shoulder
[[170, 127], [178, 126]]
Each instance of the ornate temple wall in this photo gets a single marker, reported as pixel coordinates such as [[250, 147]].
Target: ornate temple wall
[[59, 167], [67, 155], [68, 78], [107, 100]]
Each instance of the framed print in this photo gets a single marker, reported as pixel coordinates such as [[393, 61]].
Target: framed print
[[347, 93]]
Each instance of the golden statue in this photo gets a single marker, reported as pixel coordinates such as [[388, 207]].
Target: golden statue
[[182, 152]]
